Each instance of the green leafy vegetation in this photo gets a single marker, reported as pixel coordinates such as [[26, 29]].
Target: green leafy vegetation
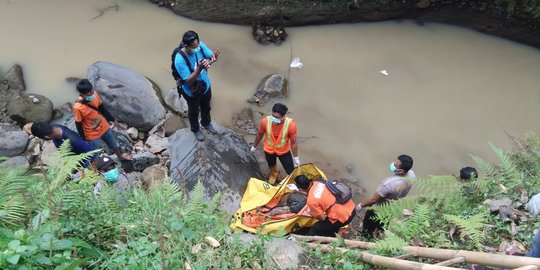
[[50, 223], [449, 213], [47, 222]]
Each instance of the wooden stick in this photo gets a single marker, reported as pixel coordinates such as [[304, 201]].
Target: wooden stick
[[404, 256], [451, 261], [488, 259]]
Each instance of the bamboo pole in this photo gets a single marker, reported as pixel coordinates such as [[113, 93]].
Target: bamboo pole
[[488, 259], [400, 264], [392, 263]]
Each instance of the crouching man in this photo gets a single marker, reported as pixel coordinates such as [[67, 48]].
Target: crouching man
[[323, 206], [107, 168]]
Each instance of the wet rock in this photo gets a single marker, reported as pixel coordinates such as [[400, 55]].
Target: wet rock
[[73, 79], [266, 34], [13, 140], [285, 254], [57, 114], [123, 140], [129, 96], [67, 107], [143, 160], [30, 108], [243, 121], [172, 124], [135, 178], [176, 103], [223, 163], [423, 4], [153, 176], [48, 149], [156, 143], [14, 78], [133, 133], [495, 205], [273, 85], [16, 162]]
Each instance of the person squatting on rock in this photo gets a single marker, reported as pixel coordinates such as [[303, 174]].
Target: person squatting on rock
[[391, 188], [92, 119], [59, 134], [191, 62], [110, 173], [323, 206], [280, 140]]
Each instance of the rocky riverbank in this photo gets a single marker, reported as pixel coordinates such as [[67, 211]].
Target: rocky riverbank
[[150, 127], [511, 19]]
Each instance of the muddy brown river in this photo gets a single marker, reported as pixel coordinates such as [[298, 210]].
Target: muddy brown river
[[447, 93]]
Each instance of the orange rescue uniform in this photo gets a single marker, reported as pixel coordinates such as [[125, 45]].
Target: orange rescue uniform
[[321, 201], [93, 123], [275, 141]]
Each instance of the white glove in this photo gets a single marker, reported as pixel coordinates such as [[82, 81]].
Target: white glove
[[358, 209], [253, 149], [292, 187], [296, 161]]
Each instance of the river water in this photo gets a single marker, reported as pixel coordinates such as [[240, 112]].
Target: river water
[[449, 91]]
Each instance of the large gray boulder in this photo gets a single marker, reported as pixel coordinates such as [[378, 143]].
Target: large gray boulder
[[14, 78], [223, 163], [176, 103], [30, 108], [13, 140], [128, 95], [16, 162], [273, 85]]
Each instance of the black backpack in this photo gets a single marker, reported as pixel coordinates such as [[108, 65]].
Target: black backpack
[[176, 50], [341, 191], [199, 86]]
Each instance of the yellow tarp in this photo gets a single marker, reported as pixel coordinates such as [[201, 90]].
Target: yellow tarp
[[259, 194]]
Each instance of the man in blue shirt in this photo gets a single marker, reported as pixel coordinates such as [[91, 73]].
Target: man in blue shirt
[[58, 134], [192, 62]]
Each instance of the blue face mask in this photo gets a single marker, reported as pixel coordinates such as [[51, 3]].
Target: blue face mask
[[275, 120], [112, 175], [392, 167], [195, 50], [90, 98]]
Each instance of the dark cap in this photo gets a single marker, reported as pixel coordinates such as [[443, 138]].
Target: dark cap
[[103, 161]]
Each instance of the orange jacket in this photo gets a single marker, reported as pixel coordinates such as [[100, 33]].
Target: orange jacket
[[93, 123], [321, 201], [277, 137]]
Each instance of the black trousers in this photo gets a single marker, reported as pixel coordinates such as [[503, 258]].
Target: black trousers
[[285, 159], [370, 224], [327, 228], [198, 103]]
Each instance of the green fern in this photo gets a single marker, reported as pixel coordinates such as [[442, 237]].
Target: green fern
[[507, 168], [391, 244], [65, 162], [394, 209], [485, 167], [13, 183], [195, 205], [471, 227]]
